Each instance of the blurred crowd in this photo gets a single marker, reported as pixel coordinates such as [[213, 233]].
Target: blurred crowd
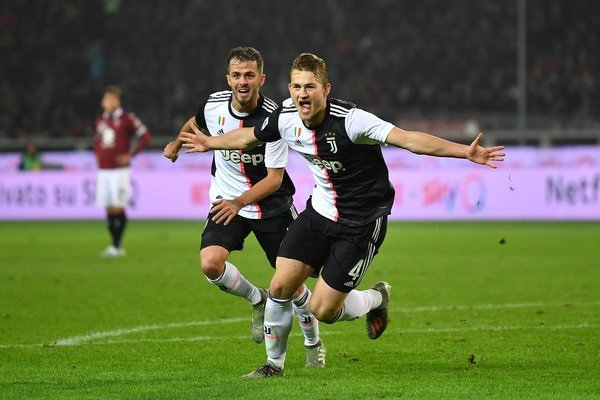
[[397, 58]]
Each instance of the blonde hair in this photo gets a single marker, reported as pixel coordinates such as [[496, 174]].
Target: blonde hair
[[311, 63]]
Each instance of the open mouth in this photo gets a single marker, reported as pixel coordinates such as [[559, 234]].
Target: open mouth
[[304, 106]]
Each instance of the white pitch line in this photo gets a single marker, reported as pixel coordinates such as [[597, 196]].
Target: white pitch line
[[492, 306], [584, 325], [77, 340]]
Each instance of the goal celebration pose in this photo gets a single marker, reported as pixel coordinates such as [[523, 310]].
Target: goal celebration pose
[[345, 220], [250, 192]]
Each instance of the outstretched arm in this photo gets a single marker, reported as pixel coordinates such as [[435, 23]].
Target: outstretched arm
[[225, 210], [424, 143], [237, 139], [171, 150]]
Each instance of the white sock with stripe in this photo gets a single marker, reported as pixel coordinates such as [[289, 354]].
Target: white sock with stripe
[[233, 282], [308, 323], [279, 318], [358, 303]]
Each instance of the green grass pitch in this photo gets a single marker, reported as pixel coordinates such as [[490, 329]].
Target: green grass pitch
[[479, 310]]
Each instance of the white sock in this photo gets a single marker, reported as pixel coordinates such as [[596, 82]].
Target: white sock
[[279, 318], [308, 323], [358, 303], [233, 282]]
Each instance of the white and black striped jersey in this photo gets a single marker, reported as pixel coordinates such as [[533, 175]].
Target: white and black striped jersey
[[344, 155], [235, 171]]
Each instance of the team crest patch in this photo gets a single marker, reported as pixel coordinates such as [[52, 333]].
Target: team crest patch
[[330, 137]]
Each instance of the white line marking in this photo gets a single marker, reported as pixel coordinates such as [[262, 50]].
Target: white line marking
[[76, 340], [98, 336], [493, 306], [584, 325], [491, 329]]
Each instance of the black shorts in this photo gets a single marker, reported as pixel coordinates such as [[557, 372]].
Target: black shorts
[[341, 253], [269, 233]]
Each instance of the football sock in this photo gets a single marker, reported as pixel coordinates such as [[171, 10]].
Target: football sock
[[358, 303], [279, 318], [232, 281], [308, 323], [116, 227]]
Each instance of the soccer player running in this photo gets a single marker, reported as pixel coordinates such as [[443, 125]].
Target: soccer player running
[[115, 129], [345, 220], [250, 192]]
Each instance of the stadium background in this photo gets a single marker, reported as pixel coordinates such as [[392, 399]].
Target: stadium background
[[524, 72], [486, 309]]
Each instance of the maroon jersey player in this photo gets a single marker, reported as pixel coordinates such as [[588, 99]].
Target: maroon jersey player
[[116, 129]]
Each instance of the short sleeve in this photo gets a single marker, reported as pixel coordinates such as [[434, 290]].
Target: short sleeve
[[268, 130], [276, 154], [366, 128]]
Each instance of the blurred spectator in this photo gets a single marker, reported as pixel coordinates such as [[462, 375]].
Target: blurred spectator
[[31, 159], [425, 58]]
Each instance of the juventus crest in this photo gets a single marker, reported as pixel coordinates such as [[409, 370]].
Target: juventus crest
[[330, 137]]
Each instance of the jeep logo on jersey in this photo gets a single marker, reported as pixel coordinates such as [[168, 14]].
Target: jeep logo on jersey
[[245, 158], [334, 166]]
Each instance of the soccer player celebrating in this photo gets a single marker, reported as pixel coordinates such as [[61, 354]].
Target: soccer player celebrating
[[250, 192], [345, 221], [115, 129]]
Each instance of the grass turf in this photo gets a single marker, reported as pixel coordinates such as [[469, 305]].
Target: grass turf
[[494, 309]]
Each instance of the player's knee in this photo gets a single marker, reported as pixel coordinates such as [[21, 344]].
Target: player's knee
[[211, 267], [281, 290], [323, 312], [277, 290]]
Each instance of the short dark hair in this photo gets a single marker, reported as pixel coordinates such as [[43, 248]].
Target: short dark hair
[[114, 90], [311, 63], [245, 54]]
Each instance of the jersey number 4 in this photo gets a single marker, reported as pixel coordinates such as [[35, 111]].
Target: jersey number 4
[[357, 271]]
